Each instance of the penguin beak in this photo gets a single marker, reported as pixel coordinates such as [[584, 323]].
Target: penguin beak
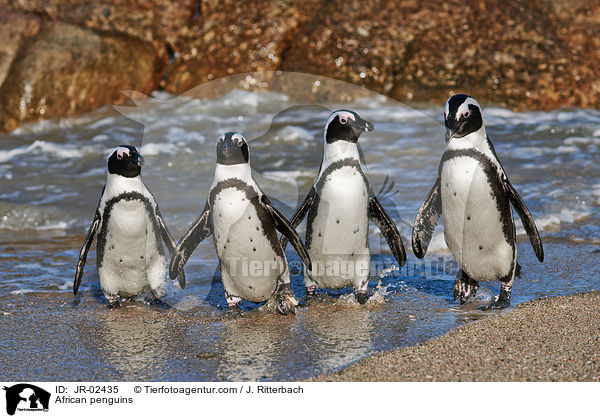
[[451, 125], [140, 160], [449, 135], [227, 148], [361, 125]]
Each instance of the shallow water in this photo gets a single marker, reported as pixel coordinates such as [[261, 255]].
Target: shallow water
[[52, 175]]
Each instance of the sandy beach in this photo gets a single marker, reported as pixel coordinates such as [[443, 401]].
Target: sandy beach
[[550, 339]]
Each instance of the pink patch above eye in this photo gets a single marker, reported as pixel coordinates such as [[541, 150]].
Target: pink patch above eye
[[121, 152]]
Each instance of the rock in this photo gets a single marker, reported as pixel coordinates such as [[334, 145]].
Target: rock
[[523, 55], [509, 54], [65, 70], [359, 42], [15, 28], [146, 20], [231, 37]]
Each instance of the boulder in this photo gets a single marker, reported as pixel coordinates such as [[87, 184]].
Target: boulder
[[64, 70], [230, 37]]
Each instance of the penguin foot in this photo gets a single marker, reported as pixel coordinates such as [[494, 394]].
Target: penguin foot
[[114, 303], [311, 294], [498, 304], [465, 288], [362, 296], [502, 301], [285, 302], [234, 312], [286, 306], [159, 303]]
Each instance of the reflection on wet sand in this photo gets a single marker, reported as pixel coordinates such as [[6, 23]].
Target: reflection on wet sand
[[252, 346], [136, 340], [339, 334]]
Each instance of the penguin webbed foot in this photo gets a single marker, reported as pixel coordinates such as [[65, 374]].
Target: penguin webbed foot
[[501, 301], [114, 303], [465, 288], [285, 302], [234, 312], [158, 303], [311, 295], [285, 307], [362, 296], [498, 304]]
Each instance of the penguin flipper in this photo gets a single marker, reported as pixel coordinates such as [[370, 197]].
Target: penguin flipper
[[426, 219], [527, 219], [300, 214], [169, 242], [194, 235], [388, 228], [87, 243], [287, 230]]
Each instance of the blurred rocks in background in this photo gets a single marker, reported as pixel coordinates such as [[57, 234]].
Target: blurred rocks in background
[[63, 57]]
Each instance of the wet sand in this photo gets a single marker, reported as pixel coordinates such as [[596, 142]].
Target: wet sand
[[549, 339]]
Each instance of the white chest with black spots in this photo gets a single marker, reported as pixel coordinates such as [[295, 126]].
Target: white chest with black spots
[[473, 227], [339, 247], [249, 265], [132, 262]]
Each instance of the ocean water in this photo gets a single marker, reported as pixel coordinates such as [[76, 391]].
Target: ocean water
[[52, 175]]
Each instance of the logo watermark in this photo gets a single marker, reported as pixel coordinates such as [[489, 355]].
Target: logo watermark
[[27, 398]]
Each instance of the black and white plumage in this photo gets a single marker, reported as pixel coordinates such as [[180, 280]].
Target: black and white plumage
[[130, 229], [339, 207], [474, 195], [243, 223]]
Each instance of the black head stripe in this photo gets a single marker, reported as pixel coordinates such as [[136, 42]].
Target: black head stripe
[[126, 164], [232, 149], [345, 125], [454, 103], [338, 131], [465, 123]]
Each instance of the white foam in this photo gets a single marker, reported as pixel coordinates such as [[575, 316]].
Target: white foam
[[579, 140], [596, 193], [154, 148], [566, 149], [438, 244], [19, 217], [378, 297], [61, 151], [550, 221], [21, 291], [29, 266], [293, 134]]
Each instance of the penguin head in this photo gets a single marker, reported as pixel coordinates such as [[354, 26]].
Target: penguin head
[[125, 161], [345, 125], [232, 149], [462, 116]]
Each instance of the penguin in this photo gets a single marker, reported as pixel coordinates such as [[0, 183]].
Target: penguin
[[474, 195], [339, 207], [243, 223], [130, 229]]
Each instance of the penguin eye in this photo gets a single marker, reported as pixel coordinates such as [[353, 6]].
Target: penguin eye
[[119, 156], [467, 113], [239, 142], [343, 119]]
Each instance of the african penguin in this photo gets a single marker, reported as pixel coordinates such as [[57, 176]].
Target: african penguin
[[130, 257], [474, 195], [243, 223], [339, 206]]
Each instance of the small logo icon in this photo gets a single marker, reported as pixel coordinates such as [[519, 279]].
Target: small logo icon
[[26, 397]]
